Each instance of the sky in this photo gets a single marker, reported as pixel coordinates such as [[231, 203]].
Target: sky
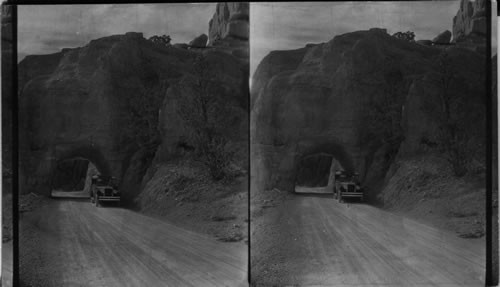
[[285, 26], [45, 29]]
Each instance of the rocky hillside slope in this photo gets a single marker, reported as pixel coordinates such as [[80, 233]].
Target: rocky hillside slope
[[78, 102], [321, 98]]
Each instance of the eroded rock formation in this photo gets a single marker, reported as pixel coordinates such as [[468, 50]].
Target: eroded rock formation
[[470, 20], [199, 42], [443, 38], [73, 104], [319, 99], [229, 21], [91, 102]]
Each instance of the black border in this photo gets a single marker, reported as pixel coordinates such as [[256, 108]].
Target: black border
[[15, 153], [491, 276], [489, 280]]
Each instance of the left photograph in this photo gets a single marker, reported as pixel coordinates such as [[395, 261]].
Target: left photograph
[[133, 144]]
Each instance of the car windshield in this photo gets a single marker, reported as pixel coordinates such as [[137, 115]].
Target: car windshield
[[344, 176]]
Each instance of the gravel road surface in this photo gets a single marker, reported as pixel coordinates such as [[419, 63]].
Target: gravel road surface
[[315, 240], [70, 242]]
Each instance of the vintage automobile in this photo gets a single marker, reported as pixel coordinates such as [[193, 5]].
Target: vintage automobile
[[104, 188], [346, 184]]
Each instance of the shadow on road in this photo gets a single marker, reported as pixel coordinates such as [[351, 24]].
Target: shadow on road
[[87, 199], [69, 194], [70, 242], [314, 194], [355, 201], [324, 192], [74, 199]]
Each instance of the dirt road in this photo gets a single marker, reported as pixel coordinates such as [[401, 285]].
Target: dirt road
[[314, 240], [70, 242], [7, 261]]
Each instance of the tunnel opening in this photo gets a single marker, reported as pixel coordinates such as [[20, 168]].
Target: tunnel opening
[[72, 168], [72, 177], [315, 173]]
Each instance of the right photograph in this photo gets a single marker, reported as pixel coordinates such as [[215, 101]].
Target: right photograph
[[368, 143]]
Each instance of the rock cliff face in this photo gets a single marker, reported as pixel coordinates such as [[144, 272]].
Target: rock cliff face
[[320, 99], [70, 106], [470, 20], [229, 21], [82, 103]]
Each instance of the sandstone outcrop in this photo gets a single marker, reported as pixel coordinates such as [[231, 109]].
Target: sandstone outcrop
[[231, 20], [80, 103], [199, 42], [316, 100], [443, 38], [470, 20]]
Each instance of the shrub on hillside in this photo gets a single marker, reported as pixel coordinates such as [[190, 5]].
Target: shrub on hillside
[[454, 112], [204, 110], [406, 36], [384, 113], [164, 40]]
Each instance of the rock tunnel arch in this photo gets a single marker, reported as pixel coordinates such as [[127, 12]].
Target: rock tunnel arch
[[37, 167], [335, 149], [315, 173], [337, 153], [77, 154], [276, 166], [71, 174], [90, 153]]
